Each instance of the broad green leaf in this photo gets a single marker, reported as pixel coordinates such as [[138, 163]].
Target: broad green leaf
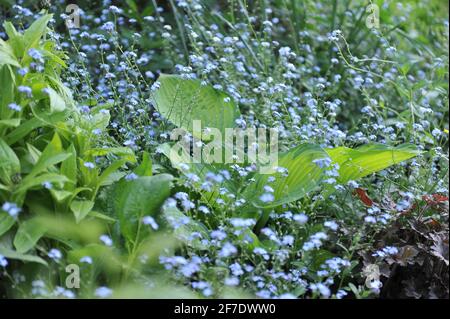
[[48, 51], [9, 162], [182, 101], [28, 234], [81, 208], [11, 254], [6, 222], [368, 159], [137, 198], [37, 29], [303, 176]]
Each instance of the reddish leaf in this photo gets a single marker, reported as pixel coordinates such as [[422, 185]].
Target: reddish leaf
[[363, 197], [434, 199], [440, 198]]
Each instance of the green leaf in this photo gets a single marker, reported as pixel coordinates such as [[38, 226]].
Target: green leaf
[[11, 254], [28, 183], [101, 216], [10, 123], [52, 154], [15, 39], [145, 168], [60, 195], [57, 103], [368, 159], [7, 55], [104, 178], [8, 81], [100, 120], [182, 101], [37, 29], [81, 208], [9, 162], [28, 234], [69, 168], [303, 176], [6, 222], [10, 30], [137, 198], [23, 130]]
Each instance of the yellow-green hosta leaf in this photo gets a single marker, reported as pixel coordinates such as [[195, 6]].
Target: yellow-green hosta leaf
[[368, 159], [182, 101], [303, 176]]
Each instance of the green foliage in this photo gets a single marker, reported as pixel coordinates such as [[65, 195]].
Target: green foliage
[[304, 170], [44, 146], [72, 194], [183, 101], [367, 159], [138, 198]]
